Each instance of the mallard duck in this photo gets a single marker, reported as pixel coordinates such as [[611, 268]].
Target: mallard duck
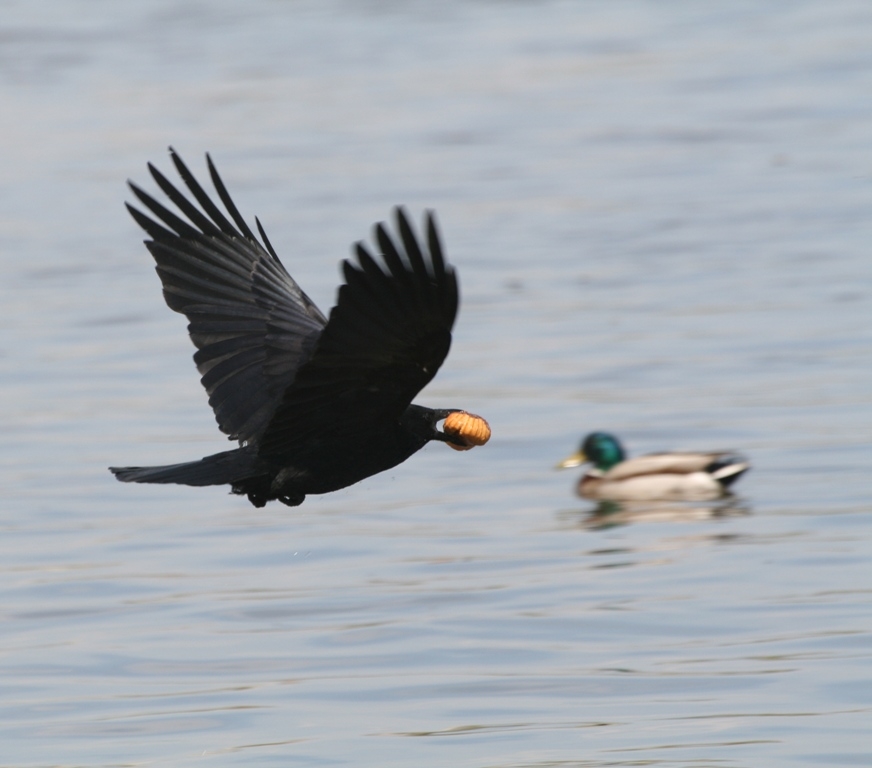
[[655, 476]]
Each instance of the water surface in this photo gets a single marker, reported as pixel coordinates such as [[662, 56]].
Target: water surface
[[660, 217]]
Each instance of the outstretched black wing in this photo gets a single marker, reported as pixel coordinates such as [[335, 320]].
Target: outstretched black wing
[[252, 325], [386, 337]]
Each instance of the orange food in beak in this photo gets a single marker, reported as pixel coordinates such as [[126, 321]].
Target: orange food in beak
[[471, 429]]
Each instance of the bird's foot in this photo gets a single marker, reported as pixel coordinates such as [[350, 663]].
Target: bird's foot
[[258, 499], [292, 500]]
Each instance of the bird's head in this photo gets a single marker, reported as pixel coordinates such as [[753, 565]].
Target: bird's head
[[600, 449], [460, 431]]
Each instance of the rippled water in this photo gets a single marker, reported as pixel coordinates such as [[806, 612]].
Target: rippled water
[[660, 216]]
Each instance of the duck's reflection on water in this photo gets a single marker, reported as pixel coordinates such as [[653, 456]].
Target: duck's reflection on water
[[609, 514]]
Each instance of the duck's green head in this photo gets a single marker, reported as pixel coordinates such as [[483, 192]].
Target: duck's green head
[[599, 448]]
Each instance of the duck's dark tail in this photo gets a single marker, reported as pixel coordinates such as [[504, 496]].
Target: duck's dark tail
[[219, 469], [727, 469]]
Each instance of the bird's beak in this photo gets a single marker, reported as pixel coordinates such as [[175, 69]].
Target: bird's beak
[[457, 442], [576, 460], [457, 446]]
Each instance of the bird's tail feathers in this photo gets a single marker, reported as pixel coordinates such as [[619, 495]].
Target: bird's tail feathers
[[218, 469], [727, 469]]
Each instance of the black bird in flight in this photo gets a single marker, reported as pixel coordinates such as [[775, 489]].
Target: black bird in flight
[[316, 404]]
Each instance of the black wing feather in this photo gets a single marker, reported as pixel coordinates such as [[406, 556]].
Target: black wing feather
[[252, 324], [225, 198], [266, 241], [212, 210], [188, 208], [386, 337]]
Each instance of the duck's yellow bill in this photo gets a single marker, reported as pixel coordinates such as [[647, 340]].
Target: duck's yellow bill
[[576, 460]]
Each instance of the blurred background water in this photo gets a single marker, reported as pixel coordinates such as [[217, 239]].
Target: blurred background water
[[660, 214]]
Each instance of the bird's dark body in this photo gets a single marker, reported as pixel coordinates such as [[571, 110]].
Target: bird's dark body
[[318, 469], [317, 404], [321, 469]]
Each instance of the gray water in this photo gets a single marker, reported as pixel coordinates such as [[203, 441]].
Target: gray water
[[661, 217]]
